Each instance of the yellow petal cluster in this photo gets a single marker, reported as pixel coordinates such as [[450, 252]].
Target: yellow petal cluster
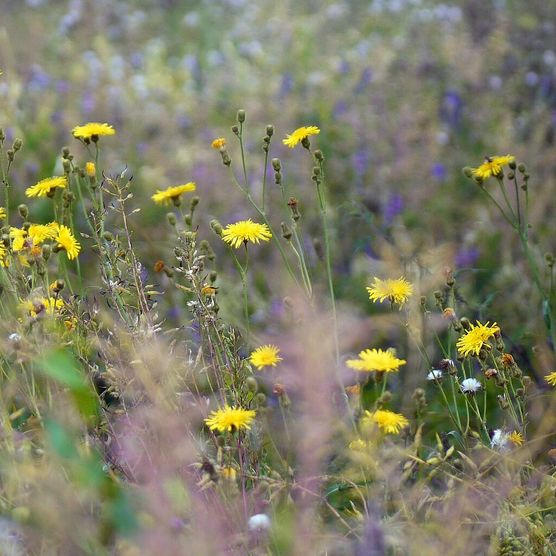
[[245, 231], [299, 134], [265, 356], [228, 419], [376, 360]]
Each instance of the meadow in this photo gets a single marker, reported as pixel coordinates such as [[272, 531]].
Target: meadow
[[277, 278]]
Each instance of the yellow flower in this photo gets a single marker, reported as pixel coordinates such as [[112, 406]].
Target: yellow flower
[[44, 187], [396, 291], [516, 438], [551, 378], [91, 169], [387, 421], [52, 304], [230, 419], [92, 131], [218, 143], [299, 134], [358, 445], [476, 338], [492, 166], [265, 356], [244, 231], [18, 236], [39, 233], [172, 193], [376, 360], [3, 255], [65, 240], [2, 213]]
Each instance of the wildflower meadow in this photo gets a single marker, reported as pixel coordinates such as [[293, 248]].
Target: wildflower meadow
[[277, 278]]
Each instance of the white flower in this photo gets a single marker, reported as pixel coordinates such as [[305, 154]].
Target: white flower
[[435, 374], [499, 440], [470, 386], [258, 522], [14, 337]]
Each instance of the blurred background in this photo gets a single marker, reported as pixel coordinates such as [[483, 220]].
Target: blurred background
[[406, 93]]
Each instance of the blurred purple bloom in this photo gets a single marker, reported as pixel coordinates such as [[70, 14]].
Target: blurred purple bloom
[[393, 207], [451, 108], [364, 81], [360, 161], [344, 67], [287, 84], [38, 80], [63, 86], [340, 108], [467, 257], [88, 103], [438, 172], [57, 117]]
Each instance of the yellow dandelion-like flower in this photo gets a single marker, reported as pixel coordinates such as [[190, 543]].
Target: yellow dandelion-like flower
[[90, 169], [265, 356], [52, 304], [92, 131], [18, 238], [230, 419], [376, 360], [46, 187], [492, 166], [387, 421], [39, 233], [172, 193], [3, 255], [396, 291], [218, 143], [358, 445], [476, 338], [516, 438], [299, 134], [551, 378], [244, 231], [66, 240], [2, 213]]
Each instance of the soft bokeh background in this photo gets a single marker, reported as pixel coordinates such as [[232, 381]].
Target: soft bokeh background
[[406, 93]]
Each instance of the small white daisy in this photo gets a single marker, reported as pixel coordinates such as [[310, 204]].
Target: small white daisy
[[435, 374], [470, 386], [258, 522]]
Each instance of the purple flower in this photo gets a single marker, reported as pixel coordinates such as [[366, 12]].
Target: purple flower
[[451, 108], [393, 207], [467, 257], [438, 171]]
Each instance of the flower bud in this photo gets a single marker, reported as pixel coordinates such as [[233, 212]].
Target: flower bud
[[17, 145], [171, 219], [252, 384], [65, 152], [286, 232], [216, 227], [23, 211], [241, 116], [269, 130], [467, 172], [90, 169], [276, 164]]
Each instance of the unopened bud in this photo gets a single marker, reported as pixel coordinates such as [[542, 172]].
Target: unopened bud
[[270, 130], [23, 210], [171, 218], [216, 227], [17, 145], [467, 172], [65, 152], [241, 116], [286, 232]]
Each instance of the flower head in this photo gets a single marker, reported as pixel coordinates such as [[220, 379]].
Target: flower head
[[244, 231], [551, 378], [470, 386], [387, 421], [90, 169], [66, 240], [45, 187], [173, 193], [396, 291], [516, 438], [218, 143], [2, 213], [92, 131], [435, 374], [230, 418], [476, 338], [376, 360], [39, 233], [265, 356], [492, 166], [299, 134]]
